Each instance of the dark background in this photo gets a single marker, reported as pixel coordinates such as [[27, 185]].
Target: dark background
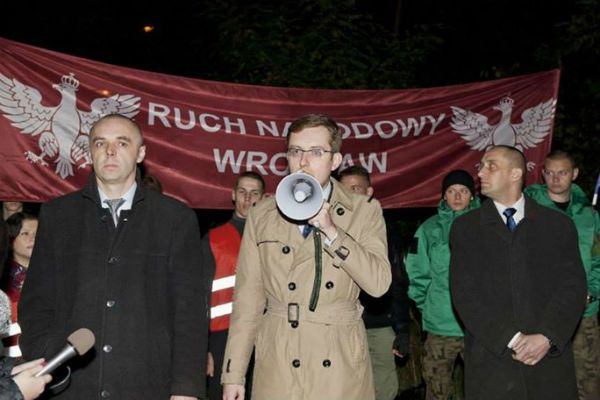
[[343, 44]]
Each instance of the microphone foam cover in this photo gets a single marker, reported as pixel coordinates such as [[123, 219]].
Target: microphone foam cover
[[82, 340]]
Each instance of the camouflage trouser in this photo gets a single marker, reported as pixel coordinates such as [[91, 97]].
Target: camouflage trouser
[[586, 351], [439, 357], [410, 374]]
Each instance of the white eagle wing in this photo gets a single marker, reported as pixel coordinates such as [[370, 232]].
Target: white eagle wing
[[536, 124], [126, 105], [22, 105], [473, 128]]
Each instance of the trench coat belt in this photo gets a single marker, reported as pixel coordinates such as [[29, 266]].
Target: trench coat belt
[[339, 313]]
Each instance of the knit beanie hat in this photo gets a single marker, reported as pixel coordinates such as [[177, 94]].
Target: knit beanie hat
[[458, 177]]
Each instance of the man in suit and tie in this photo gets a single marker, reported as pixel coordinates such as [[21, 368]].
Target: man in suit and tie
[[518, 286]]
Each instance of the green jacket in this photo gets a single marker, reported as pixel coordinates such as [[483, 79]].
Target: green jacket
[[427, 265], [587, 222]]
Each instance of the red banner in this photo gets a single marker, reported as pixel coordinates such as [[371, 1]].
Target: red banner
[[200, 134]]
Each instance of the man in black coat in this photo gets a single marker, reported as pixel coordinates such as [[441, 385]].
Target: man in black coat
[[518, 286], [124, 262]]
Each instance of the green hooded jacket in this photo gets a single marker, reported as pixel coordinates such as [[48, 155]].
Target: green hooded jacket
[[428, 265], [587, 222]]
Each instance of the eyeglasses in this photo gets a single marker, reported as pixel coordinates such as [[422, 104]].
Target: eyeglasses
[[315, 152], [552, 174]]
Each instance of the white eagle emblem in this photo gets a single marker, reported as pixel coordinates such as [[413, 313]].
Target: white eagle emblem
[[479, 135], [63, 129]]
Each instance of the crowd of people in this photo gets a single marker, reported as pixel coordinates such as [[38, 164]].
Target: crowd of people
[[268, 307]]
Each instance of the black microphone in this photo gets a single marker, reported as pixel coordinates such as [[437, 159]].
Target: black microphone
[[78, 343]]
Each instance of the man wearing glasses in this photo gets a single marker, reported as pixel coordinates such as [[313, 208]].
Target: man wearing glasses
[[562, 194], [297, 285]]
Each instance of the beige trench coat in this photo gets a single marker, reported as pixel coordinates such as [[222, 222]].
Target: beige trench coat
[[304, 354]]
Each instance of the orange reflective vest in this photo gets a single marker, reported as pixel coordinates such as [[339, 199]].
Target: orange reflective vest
[[225, 243]]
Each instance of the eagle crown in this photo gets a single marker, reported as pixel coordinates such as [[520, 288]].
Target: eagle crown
[[70, 81], [506, 104]]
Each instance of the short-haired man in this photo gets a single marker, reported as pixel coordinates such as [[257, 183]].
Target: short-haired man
[[124, 262], [311, 341], [220, 252], [386, 318], [562, 194], [518, 286]]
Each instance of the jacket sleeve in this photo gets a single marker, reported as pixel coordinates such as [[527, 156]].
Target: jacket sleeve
[[189, 282], [563, 310], [477, 318], [40, 338], [364, 258], [8, 388], [209, 264], [248, 306], [594, 275], [418, 268], [400, 317]]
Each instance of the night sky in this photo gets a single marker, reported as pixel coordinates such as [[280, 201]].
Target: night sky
[[478, 36]]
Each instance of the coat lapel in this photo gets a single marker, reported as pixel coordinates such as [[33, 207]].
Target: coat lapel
[[491, 219], [341, 206], [341, 213]]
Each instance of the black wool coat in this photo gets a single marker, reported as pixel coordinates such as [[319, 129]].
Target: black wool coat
[[140, 288], [530, 280]]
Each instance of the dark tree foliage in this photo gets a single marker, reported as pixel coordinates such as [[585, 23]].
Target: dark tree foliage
[[317, 44]]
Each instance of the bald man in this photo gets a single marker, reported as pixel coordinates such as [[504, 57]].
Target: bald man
[[124, 262], [518, 286]]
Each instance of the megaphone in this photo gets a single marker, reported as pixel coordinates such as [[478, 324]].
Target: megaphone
[[299, 196]]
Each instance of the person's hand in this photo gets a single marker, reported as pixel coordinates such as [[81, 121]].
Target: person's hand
[[324, 222], [210, 365], [401, 345], [22, 367], [530, 349], [233, 391], [24, 376]]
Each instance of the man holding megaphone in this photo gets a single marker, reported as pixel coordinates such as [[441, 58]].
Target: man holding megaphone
[[305, 256]]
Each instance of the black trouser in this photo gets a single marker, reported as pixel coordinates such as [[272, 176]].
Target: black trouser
[[218, 341]]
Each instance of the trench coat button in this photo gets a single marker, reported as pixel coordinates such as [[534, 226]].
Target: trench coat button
[[110, 303], [329, 285], [107, 348], [296, 363], [285, 249], [326, 363], [294, 324], [103, 219], [340, 211], [113, 260], [292, 286], [105, 394]]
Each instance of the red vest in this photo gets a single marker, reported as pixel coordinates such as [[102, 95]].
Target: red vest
[[225, 246]]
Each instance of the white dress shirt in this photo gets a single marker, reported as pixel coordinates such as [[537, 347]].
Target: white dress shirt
[[128, 197]]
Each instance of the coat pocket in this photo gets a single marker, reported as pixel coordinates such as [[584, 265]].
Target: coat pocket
[[356, 343]]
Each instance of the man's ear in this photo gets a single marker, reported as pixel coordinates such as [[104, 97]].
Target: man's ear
[[337, 160], [517, 174], [575, 173], [370, 191], [141, 154]]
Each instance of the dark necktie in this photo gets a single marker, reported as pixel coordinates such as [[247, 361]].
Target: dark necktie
[[510, 220], [306, 230], [113, 206]]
